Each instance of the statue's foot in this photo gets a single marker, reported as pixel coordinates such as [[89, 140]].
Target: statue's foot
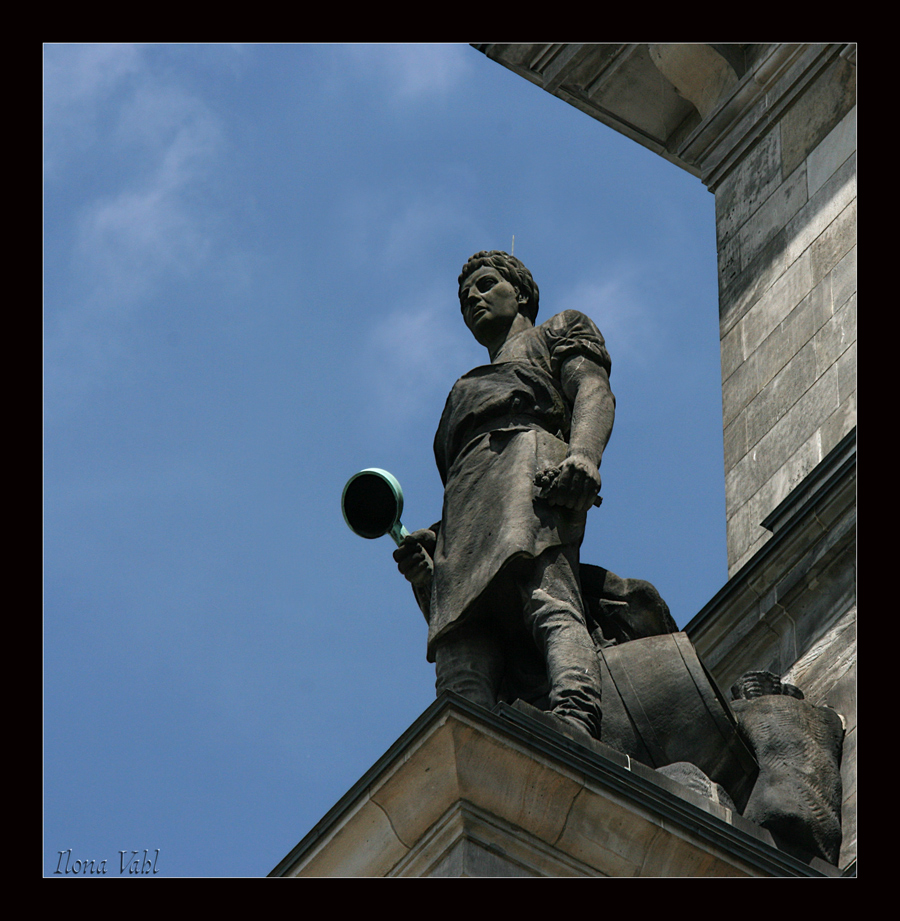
[[573, 727], [565, 724]]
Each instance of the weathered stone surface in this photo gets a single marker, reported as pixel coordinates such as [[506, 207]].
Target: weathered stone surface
[[722, 141], [777, 303], [759, 568], [732, 349], [745, 284], [364, 844], [748, 186], [698, 72], [730, 278], [739, 389], [744, 287], [744, 480], [774, 448], [764, 488], [837, 146], [794, 332], [843, 280], [742, 532], [776, 351], [760, 506], [746, 540], [840, 422], [784, 202], [747, 397], [749, 535], [628, 97], [735, 441], [776, 398], [471, 843], [812, 601], [834, 242], [532, 803], [800, 421], [824, 669], [809, 316], [821, 210], [836, 336], [786, 478], [812, 118], [468, 859], [846, 366]]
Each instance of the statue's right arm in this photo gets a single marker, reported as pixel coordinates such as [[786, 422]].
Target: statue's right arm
[[415, 560]]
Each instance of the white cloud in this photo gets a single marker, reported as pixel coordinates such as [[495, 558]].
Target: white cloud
[[150, 224], [145, 146], [78, 81]]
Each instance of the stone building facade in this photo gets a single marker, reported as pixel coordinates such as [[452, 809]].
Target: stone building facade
[[770, 129]]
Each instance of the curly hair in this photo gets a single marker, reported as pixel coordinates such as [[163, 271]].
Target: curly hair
[[512, 270]]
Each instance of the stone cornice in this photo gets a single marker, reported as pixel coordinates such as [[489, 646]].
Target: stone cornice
[[758, 101], [459, 754], [606, 81]]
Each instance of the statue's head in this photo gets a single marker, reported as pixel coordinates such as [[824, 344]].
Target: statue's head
[[762, 684], [513, 270]]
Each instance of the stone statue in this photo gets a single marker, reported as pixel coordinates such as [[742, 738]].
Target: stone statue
[[513, 616], [518, 449], [797, 795]]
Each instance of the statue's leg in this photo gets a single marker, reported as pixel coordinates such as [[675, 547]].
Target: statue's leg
[[554, 614], [470, 661]]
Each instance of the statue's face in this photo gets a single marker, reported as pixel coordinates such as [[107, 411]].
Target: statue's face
[[489, 304]]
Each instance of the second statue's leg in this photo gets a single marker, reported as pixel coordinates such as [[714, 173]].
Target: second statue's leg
[[555, 616]]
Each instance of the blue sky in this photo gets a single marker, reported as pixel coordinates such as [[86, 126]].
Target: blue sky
[[251, 255]]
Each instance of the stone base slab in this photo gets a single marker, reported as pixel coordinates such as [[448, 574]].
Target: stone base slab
[[467, 792]]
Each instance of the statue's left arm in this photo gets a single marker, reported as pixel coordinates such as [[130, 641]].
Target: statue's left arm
[[415, 560], [586, 385]]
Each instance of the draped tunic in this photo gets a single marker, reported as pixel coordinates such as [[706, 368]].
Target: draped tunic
[[502, 424]]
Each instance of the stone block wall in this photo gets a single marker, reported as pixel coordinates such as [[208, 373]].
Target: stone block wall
[[786, 234]]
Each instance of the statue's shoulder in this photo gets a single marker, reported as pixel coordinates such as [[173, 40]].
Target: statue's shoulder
[[572, 333], [570, 321]]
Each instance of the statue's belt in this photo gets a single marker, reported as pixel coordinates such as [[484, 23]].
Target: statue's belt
[[510, 424]]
